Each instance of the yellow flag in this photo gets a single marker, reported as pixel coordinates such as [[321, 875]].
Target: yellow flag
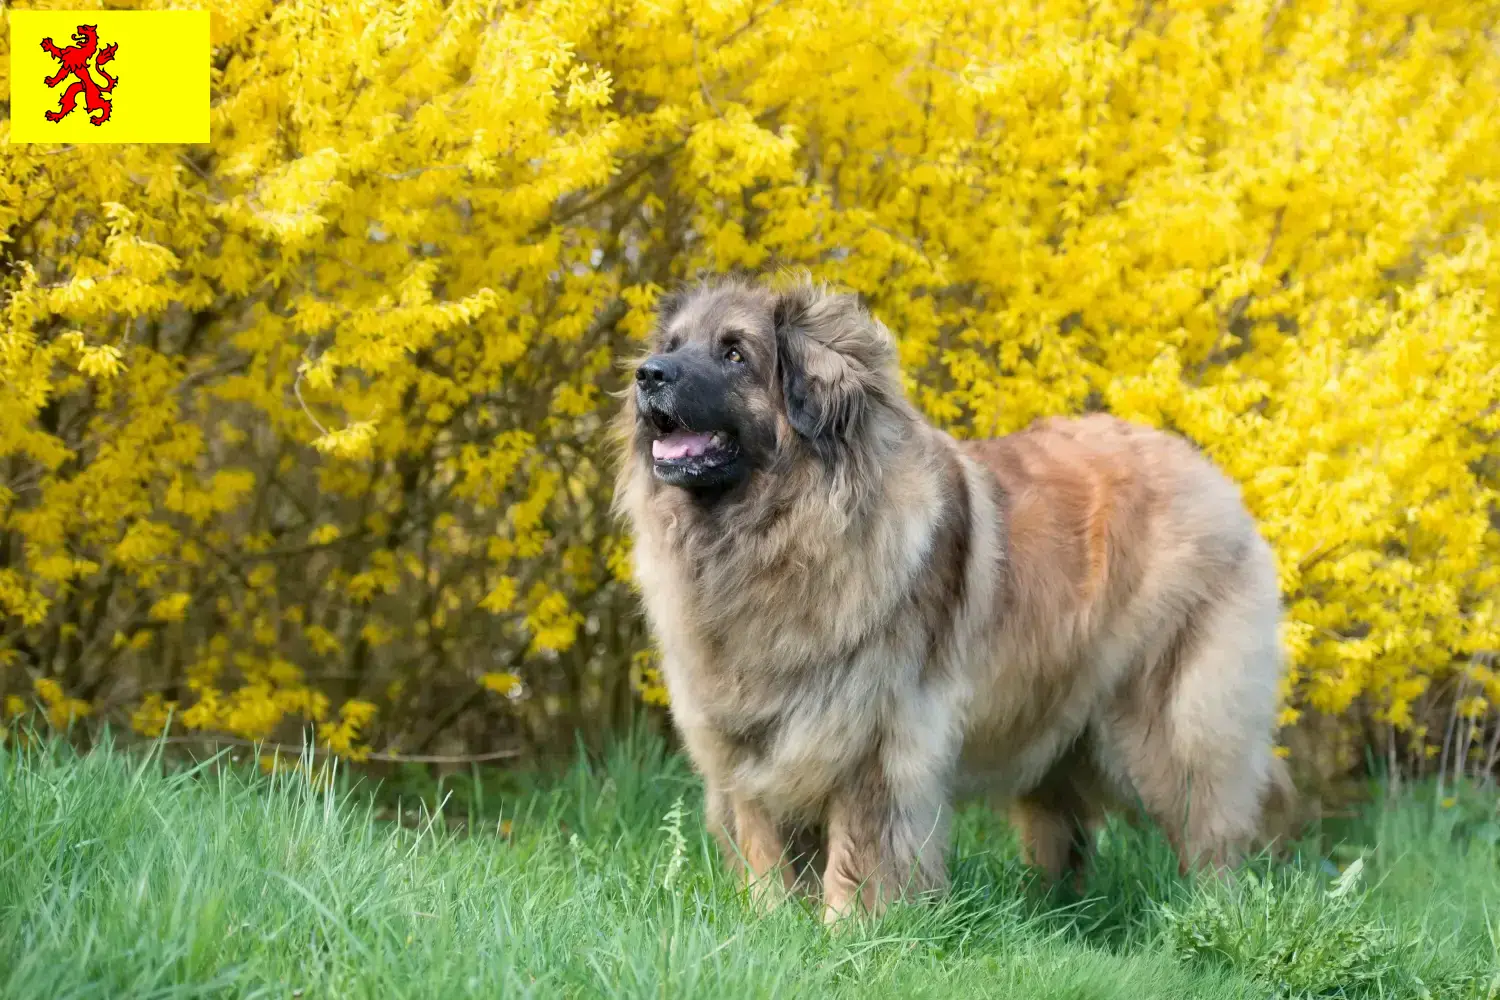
[[109, 76]]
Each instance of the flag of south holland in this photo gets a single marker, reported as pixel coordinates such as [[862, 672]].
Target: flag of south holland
[[108, 75]]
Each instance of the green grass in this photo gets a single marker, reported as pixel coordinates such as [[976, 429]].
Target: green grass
[[124, 877]]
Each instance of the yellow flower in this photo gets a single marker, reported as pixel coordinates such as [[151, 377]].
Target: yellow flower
[[62, 710], [171, 608], [101, 361], [342, 737], [352, 442], [506, 684], [501, 596], [646, 678], [150, 717]]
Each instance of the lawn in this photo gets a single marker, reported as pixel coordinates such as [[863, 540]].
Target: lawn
[[122, 876]]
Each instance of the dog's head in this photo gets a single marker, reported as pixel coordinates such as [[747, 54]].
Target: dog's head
[[743, 377]]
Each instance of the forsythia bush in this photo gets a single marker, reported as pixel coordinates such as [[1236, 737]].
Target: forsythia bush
[[305, 425]]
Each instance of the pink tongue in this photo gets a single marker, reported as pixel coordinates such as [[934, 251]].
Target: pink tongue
[[679, 444]]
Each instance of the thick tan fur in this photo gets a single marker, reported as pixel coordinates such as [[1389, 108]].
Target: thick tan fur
[[1075, 617]]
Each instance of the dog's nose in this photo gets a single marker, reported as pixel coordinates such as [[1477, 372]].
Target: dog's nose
[[656, 372]]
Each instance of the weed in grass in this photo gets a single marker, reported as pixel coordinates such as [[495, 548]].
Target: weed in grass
[[1285, 931]]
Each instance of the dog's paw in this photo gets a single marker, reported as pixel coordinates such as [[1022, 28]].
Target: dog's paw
[[837, 920], [847, 921], [769, 892]]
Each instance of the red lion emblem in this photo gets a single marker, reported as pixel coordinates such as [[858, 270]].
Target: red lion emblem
[[75, 62]]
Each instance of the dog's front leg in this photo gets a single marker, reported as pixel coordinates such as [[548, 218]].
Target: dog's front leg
[[884, 843], [760, 848], [718, 813]]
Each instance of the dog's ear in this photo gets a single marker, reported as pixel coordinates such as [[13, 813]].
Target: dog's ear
[[835, 361]]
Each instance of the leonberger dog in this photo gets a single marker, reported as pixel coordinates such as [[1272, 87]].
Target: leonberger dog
[[861, 617]]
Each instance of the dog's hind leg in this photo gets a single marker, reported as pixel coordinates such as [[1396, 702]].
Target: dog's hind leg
[[1194, 731], [1057, 821]]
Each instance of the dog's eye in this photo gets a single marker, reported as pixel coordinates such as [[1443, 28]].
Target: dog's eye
[[733, 356]]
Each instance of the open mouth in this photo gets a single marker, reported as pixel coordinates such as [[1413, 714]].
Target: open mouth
[[702, 461], [693, 451]]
